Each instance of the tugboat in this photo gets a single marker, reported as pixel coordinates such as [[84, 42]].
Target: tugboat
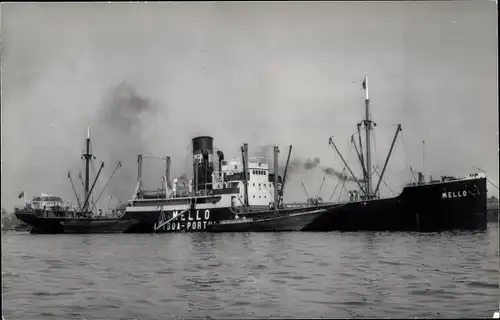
[[48, 214], [240, 196], [435, 205]]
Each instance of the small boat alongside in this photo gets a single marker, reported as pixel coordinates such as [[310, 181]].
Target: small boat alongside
[[49, 214], [290, 221]]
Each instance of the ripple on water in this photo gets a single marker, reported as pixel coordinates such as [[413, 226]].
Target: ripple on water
[[294, 275]]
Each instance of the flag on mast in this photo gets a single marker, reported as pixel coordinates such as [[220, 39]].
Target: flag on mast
[[364, 83], [21, 195]]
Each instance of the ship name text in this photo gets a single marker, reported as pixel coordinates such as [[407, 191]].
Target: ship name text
[[454, 194]]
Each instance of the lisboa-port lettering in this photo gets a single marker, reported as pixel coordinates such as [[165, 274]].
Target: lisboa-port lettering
[[189, 221], [189, 226], [454, 194]]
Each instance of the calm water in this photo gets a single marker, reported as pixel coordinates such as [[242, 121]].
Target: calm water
[[295, 275]]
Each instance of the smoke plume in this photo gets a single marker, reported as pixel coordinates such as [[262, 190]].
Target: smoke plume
[[311, 164], [332, 172], [117, 136]]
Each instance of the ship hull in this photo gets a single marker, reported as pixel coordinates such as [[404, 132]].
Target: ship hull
[[97, 226], [205, 220], [40, 225], [49, 222], [297, 221], [459, 204]]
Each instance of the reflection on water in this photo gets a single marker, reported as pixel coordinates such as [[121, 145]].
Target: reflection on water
[[452, 275]]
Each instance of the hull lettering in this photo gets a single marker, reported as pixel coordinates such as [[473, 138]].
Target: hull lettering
[[454, 194], [179, 221]]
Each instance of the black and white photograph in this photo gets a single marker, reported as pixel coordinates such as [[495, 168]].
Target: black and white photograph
[[250, 160]]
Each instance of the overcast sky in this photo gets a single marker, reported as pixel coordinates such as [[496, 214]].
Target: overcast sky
[[149, 77]]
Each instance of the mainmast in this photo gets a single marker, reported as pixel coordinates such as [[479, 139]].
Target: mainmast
[[87, 156], [368, 127]]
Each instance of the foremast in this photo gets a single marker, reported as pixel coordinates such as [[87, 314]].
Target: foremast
[[368, 127], [365, 159], [87, 156]]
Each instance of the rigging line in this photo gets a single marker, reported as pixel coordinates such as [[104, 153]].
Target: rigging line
[[374, 149], [91, 198], [384, 181], [341, 189], [338, 183], [100, 194], [486, 176], [406, 156]]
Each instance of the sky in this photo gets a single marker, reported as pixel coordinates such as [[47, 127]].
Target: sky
[[147, 78]]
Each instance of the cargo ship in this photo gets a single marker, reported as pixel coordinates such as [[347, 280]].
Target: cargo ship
[[246, 194], [423, 205]]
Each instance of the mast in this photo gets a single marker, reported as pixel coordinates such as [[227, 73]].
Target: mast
[[167, 173], [361, 151], [86, 203], [139, 172], [360, 156], [368, 127], [276, 176], [286, 170], [244, 152], [87, 156], [423, 158]]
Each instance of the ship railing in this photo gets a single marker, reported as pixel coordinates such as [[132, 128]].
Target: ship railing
[[48, 214], [258, 160]]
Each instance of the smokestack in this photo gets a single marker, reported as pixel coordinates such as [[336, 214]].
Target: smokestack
[[220, 155], [203, 162]]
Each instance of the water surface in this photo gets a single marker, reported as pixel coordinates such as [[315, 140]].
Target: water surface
[[251, 275]]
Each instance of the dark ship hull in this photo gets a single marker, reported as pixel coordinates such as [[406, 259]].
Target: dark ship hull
[[45, 222], [458, 204], [297, 221], [97, 226], [39, 223], [206, 219]]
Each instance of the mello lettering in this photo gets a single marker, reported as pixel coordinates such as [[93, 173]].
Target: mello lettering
[[189, 221], [454, 194]]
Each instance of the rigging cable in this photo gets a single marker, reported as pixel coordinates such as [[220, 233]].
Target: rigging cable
[[344, 179], [91, 198], [100, 194], [406, 156], [338, 183]]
